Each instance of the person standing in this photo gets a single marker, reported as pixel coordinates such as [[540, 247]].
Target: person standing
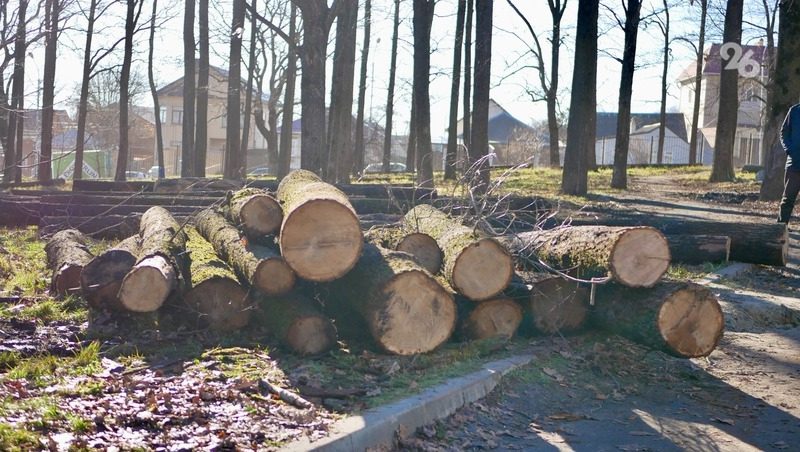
[[790, 139]]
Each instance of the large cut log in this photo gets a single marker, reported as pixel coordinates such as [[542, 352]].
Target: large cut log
[[215, 296], [110, 185], [554, 305], [298, 323], [320, 235], [261, 266], [476, 266], [405, 309], [130, 199], [420, 245], [683, 319], [254, 210], [105, 227], [697, 249], [377, 191], [102, 277], [194, 184], [495, 318], [67, 255], [160, 265], [635, 256], [91, 210]]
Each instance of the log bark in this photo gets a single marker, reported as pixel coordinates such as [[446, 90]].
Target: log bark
[[215, 296], [421, 246], [111, 227], [102, 277], [497, 317], [320, 235], [682, 319], [129, 199], [160, 265], [404, 308], [111, 185], [67, 255], [261, 266], [255, 211], [298, 323], [698, 249], [476, 266], [635, 256], [553, 305]]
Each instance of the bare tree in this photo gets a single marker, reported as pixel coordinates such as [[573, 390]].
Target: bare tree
[[201, 129], [455, 86], [248, 95], [358, 161], [52, 23], [664, 27], [387, 138], [423, 20], [340, 135], [698, 79], [234, 161], [285, 154], [154, 94], [466, 130], [131, 19], [189, 91], [479, 140], [16, 120]]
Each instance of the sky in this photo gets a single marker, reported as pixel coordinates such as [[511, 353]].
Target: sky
[[510, 41]]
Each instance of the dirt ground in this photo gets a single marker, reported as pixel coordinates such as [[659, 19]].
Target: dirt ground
[[605, 393]]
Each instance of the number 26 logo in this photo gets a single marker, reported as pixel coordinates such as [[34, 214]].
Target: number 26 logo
[[745, 64]]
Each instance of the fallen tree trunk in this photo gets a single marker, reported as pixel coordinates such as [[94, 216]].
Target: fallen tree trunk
[[495, 318], [19, 211], [682, 319], [160, 265], [261, 266], [110, 185], [320, 235], [422, 246], [377, 191], [697, 249], [554, 305], [105, 227], [635, 256], [298, 323], [102, 277], [404, 308], [476, 266], [128, 199], [194, 184], [257, 212], [215, 296], [67, 255]]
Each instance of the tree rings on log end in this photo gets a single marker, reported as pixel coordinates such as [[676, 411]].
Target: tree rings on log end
[[418, 315], [498, 317], [102, 277], [67, 279], [691, 321], [311, 335], [424, 249], [260, 215], [147, 286], [558, 305], [220, 303], [640, 257], [274, 276], [482, 270], [321, 240]]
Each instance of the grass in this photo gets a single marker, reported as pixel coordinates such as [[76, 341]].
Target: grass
[[13, 439]]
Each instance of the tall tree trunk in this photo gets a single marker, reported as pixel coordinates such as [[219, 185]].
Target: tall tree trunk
[[16, 123], [411, 146], [698, 79], [662, 126], [466, 129], [201, 130], [340, 132], [153, 92], [387, 137], [52, 11], [479, 139], [188, 155], [248, 96], [722, 170], [423, 20], [360, 150], [452, 132], [557, 12], [124, 79], [233, 158], [583, 102], [80, 139], [619, 179], [285, 155]]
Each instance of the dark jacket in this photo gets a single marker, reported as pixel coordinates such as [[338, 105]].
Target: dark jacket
[[790, 138]]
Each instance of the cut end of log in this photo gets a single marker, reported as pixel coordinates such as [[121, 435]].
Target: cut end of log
[[274, 276], [321, 240], [311, 335], [424, 249], [482, 270], [102, 277], [498, 317], [558, 306], [691, 321], [640, 257], [67, 279], [418, 316], [220, 303], [147, 286], [261, 215]]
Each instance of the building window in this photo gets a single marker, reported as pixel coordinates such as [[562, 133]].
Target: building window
[[162, 114], [177, 116]]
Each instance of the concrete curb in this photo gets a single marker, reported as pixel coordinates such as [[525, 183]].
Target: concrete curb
[[378, 426]]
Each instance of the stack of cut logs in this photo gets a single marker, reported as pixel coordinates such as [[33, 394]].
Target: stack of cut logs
[[300, 257]]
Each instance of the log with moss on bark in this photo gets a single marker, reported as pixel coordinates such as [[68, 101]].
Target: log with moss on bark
[[255, 211], [260, 266], [160, 265], [697, 249], [476, 266], [420, 245], [405, 309], [320, 236], [553, 305], [633, 256], [498, 317], [215, 296], [682, 319], [67, 254], [102, 277], [298, 322]]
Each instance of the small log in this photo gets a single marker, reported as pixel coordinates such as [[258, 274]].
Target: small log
[[284, 394], [404, 308], [103, 275], [476, 266], [554, 305], [261, 266], [160, 264], [697, 249], [682, 319], [67, 254], [422, 246], [320, 235], [635, 256], [298, 323], [254, 210], [497, 317], [215, 295]]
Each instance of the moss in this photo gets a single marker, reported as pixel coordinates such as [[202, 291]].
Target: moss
[[205, 264], [300, 186]]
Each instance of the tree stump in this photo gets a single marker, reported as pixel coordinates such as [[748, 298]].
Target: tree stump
[[254, 210], [422, 246], [497, 317], [298, 323], [103, 275], [67, 254]]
